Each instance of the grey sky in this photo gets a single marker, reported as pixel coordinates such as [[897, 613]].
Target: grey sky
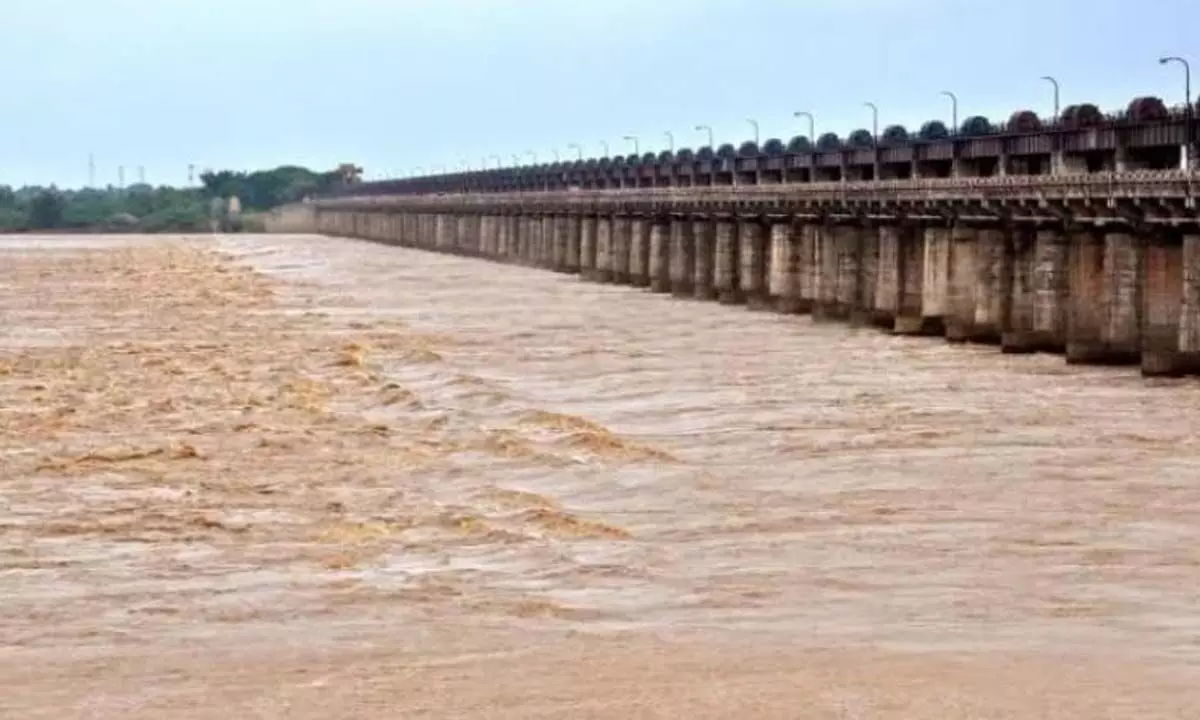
[[396, 84]]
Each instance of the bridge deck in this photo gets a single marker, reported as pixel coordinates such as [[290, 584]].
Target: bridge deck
[[1148, 195]]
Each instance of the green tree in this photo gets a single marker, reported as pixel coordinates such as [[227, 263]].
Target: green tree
[[265, 189], [13, 220], [145, 208], [46, 210]]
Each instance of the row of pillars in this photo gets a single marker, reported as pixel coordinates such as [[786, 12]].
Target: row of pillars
[[1099, 297]]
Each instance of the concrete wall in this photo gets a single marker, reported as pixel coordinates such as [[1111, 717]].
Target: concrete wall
[[1098, 295]]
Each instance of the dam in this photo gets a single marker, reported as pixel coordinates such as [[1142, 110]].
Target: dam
[[1077, 235], [1103, 268]]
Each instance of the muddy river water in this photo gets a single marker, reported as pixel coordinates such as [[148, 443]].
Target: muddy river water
[[302, 477]]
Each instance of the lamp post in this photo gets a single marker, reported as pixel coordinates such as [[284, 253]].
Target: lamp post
[[705, 128], [670, 141], [604, 144], [874, 121], [1054, 82], [516, 160], [953, 111], [812, 124], [754, 124], [633, 139], [1187, 74], [532, 155], [1187, 91], [499, 161], [578, 149]]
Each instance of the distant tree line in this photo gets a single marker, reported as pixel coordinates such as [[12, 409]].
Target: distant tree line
[[144, 208]]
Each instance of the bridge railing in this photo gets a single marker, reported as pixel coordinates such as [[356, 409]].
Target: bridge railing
[[1136, 183]]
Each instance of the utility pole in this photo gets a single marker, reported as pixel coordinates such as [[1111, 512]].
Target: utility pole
[[91, 170], [141, 175], [191, 174], [120, 177]]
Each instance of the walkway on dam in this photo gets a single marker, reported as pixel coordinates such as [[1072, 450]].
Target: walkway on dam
[[375, 482]]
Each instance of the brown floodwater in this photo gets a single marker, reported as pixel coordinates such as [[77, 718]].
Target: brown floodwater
[[302, 477]]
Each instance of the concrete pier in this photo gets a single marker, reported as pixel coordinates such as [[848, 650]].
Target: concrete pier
[[521, 236], [826, 273], [622, 238], [784, 282], [1104, 319], [993, 280], [848, 264], [682, 257], [810, 268], [1017, 335], [558, 243], [1051, 291], [752, 263], [963, 281], [639, 253], [537, 249], [888, 273], [1163, 307], [1189, 310], [533, 242], [588, 269], [1099, 292], [604, 243], [1085, 321], [545, 258], [727, 267], [866, 244], [495, 242], [935, 285], [703, 235], [571, 226], [1124, 257], [660, 256], [508, 237]]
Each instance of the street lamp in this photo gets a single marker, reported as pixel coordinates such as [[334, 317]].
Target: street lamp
[[557, 157], [705, 128], [516, 160], [532, 155], [1053, 82], [874, 121], [670, 141], [578, 149], [1187, 90], [754, 124], [604, 144], [812, 131], [499, 161], [633, 139], [1187, 74], [953, 111]]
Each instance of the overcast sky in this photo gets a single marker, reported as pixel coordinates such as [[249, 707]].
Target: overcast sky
[[397, 84]]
